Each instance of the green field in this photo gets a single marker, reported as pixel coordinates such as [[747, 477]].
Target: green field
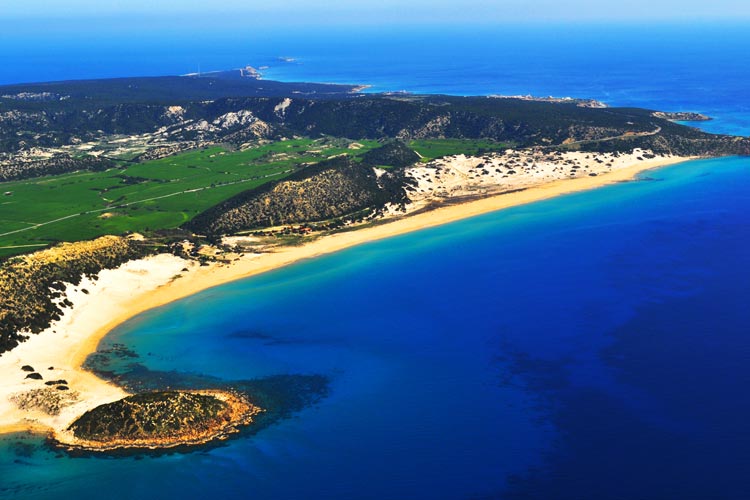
[[429, 149], [164, 194], [153, 195]]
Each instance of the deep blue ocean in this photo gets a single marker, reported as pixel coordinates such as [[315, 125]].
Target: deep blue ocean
[[592, 346]]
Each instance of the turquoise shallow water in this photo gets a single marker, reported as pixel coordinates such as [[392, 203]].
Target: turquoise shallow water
[[588, 347]]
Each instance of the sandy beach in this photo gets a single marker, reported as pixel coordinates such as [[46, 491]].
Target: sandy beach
[[119, 294]]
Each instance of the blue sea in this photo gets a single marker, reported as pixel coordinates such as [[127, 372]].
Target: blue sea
[[592, 346]]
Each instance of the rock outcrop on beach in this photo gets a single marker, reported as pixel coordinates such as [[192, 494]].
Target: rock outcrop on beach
[[159, 420], [48, 400]]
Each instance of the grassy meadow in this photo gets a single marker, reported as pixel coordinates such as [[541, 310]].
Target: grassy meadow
[[158, 194], [429, 149]]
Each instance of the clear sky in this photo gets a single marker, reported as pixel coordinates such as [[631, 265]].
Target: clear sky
[[385, 11]]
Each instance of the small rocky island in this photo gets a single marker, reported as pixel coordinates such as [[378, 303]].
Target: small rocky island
[[158, 420], [682, 116]]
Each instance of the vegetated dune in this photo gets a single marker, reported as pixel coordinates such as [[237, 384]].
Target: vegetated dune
[[31, 286], [334, 188]]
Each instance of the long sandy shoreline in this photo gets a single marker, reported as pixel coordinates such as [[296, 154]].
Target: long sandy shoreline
[[152, 283]]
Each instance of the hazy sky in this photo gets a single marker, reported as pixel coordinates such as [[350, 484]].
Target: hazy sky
[[386, 11]]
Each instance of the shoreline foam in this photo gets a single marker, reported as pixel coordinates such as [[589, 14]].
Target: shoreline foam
[[151, 284]]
